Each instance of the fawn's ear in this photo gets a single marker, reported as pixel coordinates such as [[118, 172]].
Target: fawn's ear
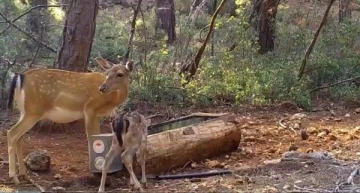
[[106, 65], [130, 65]]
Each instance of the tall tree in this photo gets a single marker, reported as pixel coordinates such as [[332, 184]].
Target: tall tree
[[78, 35], [165, 14], [262, 18]]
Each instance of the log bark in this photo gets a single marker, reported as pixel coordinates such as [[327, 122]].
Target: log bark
[[175, 148]]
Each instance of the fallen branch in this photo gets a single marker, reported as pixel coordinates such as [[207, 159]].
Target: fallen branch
[[26, 12], [36, 185], [27, 34], [350, 179], [334, 84], [312, 44], [156, 115]]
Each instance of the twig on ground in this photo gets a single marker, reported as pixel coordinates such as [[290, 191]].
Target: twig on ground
[[156, 115], [350, 179], [311, 189], [36, 185], [286, 127]]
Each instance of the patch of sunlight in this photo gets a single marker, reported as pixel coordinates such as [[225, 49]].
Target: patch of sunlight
[[56, 12], [19, 5], [283, 7], [4, 188]]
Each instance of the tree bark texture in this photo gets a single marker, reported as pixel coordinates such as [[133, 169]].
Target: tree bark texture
[[78, 34], [165, 14], [175, 148], [264, 14], [344, 11]]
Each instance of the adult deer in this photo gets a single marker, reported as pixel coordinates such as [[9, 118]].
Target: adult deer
[[63, 97]]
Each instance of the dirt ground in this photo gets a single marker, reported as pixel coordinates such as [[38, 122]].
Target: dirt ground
[[256, 164]]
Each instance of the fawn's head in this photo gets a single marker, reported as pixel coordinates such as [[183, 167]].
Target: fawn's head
[[137, 120], [117, 75]]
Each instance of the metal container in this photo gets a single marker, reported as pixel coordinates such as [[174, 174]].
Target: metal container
[[101, 144]]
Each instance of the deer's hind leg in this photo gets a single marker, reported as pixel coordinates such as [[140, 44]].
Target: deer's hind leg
[[25, 123]]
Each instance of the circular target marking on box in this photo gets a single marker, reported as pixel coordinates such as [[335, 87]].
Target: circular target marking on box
[[98, 146], [99, 162]]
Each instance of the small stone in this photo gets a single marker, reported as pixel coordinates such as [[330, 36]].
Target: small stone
[[297, 181], [303, 134], [193, 165], [298, 116], [332, 113], [213, 164], [358, 153], [357, 110], [227, 156], [293, 147], [57, 176], [347, 115], [309, 150], [227, 167], [321, 134], [332, 137], [286, 187], [58, 189]]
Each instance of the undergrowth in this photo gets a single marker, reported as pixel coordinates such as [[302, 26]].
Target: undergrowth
[[240, 76]]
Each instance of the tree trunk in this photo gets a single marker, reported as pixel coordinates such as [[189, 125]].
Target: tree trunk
[[165, 14], [264, 14], [195, 142], [78, 34], [344, 11]]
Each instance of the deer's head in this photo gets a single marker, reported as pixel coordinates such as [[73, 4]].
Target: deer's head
[[117, 75]]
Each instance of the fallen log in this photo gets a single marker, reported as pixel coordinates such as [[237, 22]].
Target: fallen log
[[170, 149]]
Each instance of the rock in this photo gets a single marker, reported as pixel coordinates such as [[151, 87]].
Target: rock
[[293, 147], [213, 164], [227, 167], [57, 176], [58, 189], [193, 165], [347, 115], [303, 134], [332, 113], [38, 161], [227, 156], [286, 187], [309, 150], [357, 110], [298, 116], [321, 134], [332, 137], [338, 119]]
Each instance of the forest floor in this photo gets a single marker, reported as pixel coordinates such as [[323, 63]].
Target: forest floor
[[257, 165]]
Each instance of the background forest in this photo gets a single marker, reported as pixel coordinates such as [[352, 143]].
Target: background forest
[[253, 55]]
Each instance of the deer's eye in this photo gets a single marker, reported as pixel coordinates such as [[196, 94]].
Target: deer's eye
[[119, 75]]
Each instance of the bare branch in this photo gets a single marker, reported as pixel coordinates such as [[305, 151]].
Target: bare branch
[[132, 31], [27, 34], [311, 46], [26, 12], [331, 85]]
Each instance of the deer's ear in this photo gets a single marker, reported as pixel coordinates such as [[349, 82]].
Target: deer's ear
[[103, 63], [130, 65]]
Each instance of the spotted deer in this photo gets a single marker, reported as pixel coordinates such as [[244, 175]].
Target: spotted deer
[[129, 136], [63, 97]]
